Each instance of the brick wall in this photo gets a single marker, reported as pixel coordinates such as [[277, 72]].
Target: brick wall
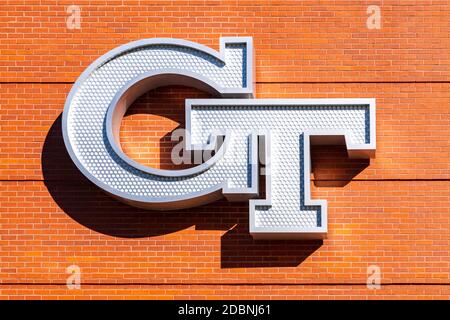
[[392, 211]]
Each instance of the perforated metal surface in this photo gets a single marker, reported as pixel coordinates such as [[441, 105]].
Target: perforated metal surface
[[86, 112], [287, 127], [289, 123]]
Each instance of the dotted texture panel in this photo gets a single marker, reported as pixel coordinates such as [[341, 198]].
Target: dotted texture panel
[[286, 125], [90, 104]]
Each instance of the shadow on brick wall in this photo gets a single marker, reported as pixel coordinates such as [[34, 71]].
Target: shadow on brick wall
[[331, 166], [93, 209]]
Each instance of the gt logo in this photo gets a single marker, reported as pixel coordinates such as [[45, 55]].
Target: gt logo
[[275, 132]]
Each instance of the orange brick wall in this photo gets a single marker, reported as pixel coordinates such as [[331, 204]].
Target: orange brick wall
[[392, 211]]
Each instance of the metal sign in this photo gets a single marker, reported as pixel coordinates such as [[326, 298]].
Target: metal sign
[[272, 136]]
